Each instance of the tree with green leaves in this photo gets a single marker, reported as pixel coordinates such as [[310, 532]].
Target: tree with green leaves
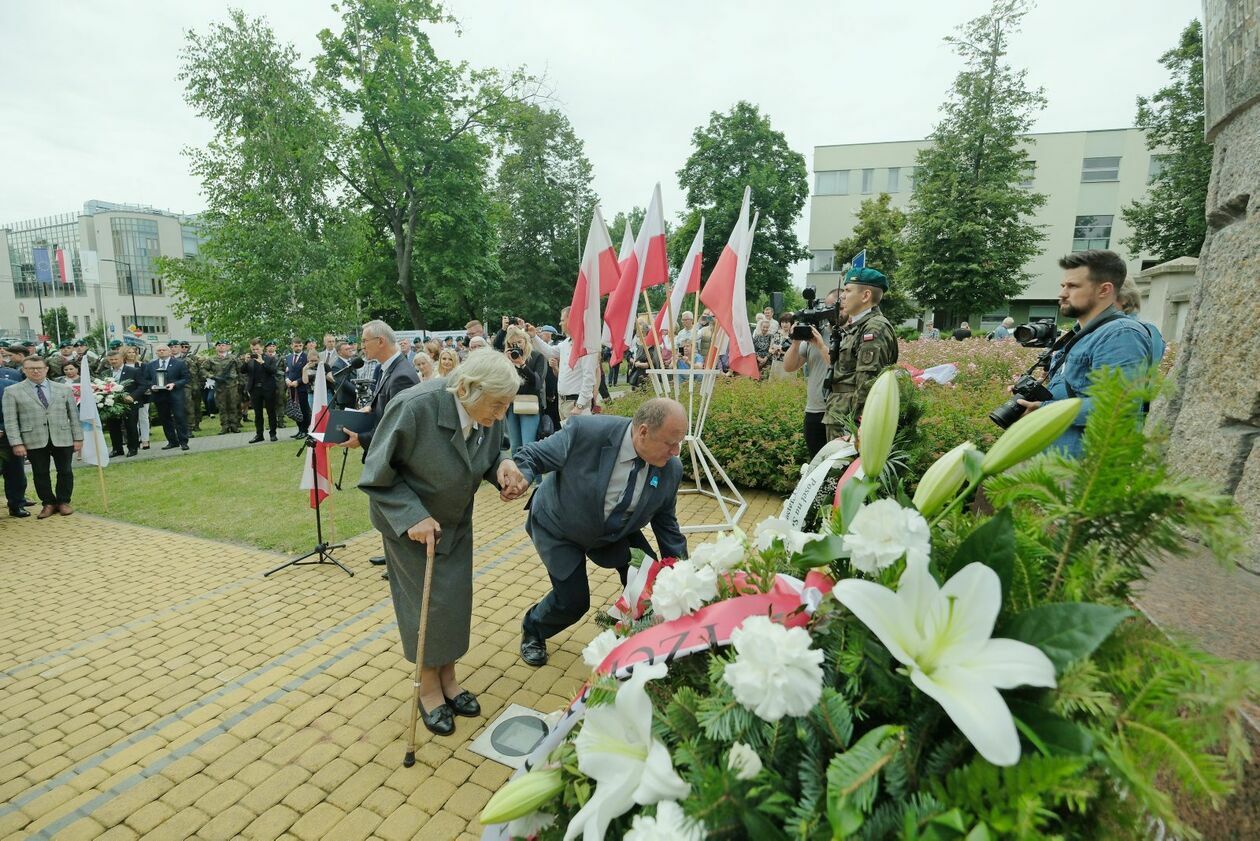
[[617, 226], [412, 140], [880, 231], [1171, 221], [738, 149], [57, 324], [545, 197], [969, 235], [279, 255]]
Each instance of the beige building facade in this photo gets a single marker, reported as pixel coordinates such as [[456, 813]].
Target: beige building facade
[[100, 264], [1087, 177]]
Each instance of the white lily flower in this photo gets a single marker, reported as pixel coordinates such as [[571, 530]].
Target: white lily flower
[[775, 672], [883, 531], [943, 635], [744, 761], [683, 589], [670, 824], [599, 648], [724, 554], [530, 825], [776, 528], [616, 749]]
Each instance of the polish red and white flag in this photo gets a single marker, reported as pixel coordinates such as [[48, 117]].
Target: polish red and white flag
[[599, 262], [724, 293], [687, 283], [646, 266], [320, 484]]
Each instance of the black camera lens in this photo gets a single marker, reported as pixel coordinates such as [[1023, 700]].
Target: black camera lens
[[1007, 413], [515, 353]]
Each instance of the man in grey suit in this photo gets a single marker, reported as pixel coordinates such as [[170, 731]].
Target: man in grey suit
[[603, 479], [41, 422]]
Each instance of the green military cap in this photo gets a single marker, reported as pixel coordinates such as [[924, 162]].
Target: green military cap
[[173, 343], [63, 344], [185, 343], [867, 277], [80, 343], [271, 343], [218, 342], [115, 344]]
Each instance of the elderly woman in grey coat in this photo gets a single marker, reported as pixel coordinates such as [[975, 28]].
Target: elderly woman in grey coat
[[434, 445]]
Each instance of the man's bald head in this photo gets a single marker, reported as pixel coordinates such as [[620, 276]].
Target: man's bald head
[[658, 430]]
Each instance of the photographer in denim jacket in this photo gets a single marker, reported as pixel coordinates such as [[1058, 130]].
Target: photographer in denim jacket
[[1102, 338]]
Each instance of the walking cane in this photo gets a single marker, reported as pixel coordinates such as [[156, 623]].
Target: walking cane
[[410, 758]]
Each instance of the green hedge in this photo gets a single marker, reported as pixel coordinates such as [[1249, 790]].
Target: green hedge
[[755, 429]]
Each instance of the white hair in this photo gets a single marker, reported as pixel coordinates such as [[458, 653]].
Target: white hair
[[485, 373], [381, 330], [477, 342]]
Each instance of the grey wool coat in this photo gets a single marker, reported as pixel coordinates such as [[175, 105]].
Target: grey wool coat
[[420, 466]]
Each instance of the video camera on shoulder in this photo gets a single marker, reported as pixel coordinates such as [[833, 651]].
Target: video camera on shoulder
[[815, 315]]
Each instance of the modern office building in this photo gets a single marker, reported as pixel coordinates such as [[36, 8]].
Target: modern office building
[[101, 265], [1087, 177]]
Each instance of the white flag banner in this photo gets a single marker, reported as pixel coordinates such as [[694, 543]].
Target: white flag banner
[[94, 450]]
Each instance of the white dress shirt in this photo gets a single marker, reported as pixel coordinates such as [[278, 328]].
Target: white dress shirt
[[466, 423], [580, 379], [621, 474]]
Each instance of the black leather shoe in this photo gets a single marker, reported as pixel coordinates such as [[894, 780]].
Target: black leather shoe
[[465, 704], [115, 453], [273, 437], [533, 647], [441, 721], [378, 561], [170, 446], [27, 503], [183, 446], [19, 512], [255, 439]]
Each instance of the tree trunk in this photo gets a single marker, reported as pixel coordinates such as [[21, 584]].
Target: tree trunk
[[402, 258]]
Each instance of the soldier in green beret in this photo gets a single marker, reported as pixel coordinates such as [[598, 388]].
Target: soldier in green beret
[[861, 349], [224, 370], [58, 361]]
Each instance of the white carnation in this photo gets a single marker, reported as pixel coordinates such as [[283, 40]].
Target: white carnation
[[530, 825], [723, 554], [882, 532], [775, 672], [599, 648], [776, 528], [683, 589], [670, 824], [744, 761]]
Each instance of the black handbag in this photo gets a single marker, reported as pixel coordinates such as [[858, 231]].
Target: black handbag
[[546, 427], [293, 408]]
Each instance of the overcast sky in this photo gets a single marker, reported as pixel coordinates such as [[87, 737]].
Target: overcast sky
[[90, 107]]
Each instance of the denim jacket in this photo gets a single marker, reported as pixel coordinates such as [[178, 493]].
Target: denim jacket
[[1121, 343]]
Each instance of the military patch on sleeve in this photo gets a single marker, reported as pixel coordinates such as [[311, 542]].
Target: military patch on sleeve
[[868, 337]]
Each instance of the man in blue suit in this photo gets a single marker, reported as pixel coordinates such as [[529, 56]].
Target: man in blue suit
[[12, 466], [167, 377], [603, 479], [296, 383]]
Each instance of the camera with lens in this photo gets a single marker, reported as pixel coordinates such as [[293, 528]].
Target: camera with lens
[[815, 315], [363, 392], [1027, 388], [1038, 332], [515, 353]]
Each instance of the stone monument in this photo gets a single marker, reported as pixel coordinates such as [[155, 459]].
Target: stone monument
[[1214, 415]]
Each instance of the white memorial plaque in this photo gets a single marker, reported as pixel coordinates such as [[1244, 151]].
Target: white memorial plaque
[[512, 737]]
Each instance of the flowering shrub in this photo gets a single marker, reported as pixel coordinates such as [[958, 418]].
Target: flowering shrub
[[967, 677], [112, 400]]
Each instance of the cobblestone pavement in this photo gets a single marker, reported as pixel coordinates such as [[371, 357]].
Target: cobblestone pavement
[[157, 685]]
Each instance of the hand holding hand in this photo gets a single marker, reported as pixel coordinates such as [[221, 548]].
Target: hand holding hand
[[427, 531], [511, 481]]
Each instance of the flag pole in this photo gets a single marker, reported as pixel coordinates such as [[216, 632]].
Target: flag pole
[[104, 496]]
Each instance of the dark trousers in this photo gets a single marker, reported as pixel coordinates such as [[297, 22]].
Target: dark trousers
[[567, 602], [171, 416], [614, 372], [14, 480], [260, 400], [63, 458], [815, 433], [127, 427], [304, 425]]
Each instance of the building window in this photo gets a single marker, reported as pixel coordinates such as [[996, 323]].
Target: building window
[[58, 238], [1100, 169], [991, 320], [1091, 232], [824, 261], [910, 172], [1158, 162], [152, 323], [894, 179], [87, 324], [136, 248], [1028, 174], [1043, 311], [868, 181], [834, 182]]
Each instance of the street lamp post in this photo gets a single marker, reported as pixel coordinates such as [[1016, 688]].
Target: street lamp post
[[135, 316]]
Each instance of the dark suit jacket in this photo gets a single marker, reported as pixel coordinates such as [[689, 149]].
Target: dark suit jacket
[[138, 386], [176, 372], [293, 365], [398, 378], [567, 511], [345, 394], [261, 374]]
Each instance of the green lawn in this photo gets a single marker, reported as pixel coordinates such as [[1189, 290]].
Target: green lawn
[[247, 495]]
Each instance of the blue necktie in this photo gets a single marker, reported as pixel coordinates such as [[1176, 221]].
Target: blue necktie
[[376, 375], [617, 519], [39, 389]]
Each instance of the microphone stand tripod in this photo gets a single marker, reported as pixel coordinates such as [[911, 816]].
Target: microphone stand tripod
[[322, 553]]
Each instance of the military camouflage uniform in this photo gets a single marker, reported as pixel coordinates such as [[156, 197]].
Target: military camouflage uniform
[[226, 372], [193, 394], [282, 394], [863, 349]]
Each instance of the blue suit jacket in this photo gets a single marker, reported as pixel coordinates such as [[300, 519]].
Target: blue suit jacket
[[176, 372], [566, 513]]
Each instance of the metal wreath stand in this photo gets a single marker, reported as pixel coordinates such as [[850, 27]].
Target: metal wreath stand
[[693, 387]]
